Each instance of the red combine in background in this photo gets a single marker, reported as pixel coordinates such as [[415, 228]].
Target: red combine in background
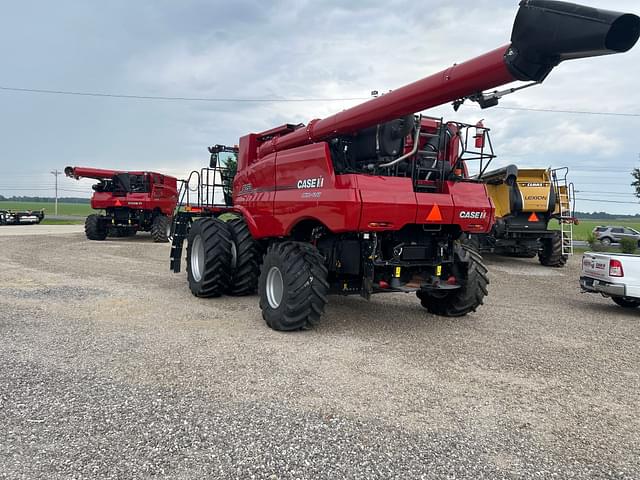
[[132, 202], [375, 198]]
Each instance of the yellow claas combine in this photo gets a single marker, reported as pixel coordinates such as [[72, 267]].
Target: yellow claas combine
[[526, 200]]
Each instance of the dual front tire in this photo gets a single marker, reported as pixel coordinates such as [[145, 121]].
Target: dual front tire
[[223, 258]]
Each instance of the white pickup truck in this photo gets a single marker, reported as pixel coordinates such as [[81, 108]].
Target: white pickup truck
[[613, 275]]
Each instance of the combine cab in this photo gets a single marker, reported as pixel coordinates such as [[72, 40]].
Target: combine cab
[[527, 200], [376, 198], [132, 202]]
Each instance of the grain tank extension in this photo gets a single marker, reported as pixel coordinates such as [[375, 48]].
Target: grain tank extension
[[375, 198]]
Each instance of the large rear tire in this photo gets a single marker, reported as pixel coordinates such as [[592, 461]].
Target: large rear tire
[[471, 274], [245, 262], [551, 253], [209, 257], [94, 228], [293, 286], [161, 228], [626, 302]]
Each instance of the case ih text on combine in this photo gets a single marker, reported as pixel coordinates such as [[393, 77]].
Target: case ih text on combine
[[132, 202], [375, 198]]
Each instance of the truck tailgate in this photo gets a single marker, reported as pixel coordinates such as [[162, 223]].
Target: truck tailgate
[[621, 280], [595, 265]]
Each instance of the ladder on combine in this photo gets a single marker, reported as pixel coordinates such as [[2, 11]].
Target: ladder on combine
[[566, 202], [204, 193]]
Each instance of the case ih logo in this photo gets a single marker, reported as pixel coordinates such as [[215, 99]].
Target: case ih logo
[[246, 188], [473, 215], [311, 183]]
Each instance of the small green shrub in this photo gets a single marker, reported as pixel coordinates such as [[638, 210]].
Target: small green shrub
[[628, 245], [595, 244]]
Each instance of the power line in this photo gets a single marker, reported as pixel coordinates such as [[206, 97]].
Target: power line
[[605, 201], [276, 100], [572, 112], [181, 99], [601, 183], [27, 188], [607, 193]]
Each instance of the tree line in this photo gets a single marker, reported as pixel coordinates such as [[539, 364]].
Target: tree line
[[44, 199]]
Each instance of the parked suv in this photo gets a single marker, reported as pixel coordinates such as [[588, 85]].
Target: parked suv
[[609, 235]]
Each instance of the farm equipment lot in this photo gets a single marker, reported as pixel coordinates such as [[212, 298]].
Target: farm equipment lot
[[110, 368]]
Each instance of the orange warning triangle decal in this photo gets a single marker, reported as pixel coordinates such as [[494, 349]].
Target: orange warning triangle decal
[[533, 217], [118, 204], [434, 215]]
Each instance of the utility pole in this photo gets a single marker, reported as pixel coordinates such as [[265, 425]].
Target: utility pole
[[55, 173]]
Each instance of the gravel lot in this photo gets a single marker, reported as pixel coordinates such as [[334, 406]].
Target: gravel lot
[[111, 369]]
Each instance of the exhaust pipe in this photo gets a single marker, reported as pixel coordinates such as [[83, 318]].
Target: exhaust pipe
[[547, 32]]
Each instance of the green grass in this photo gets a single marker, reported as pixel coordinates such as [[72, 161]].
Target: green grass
[[51, 221], [79, 209], [585, 227]]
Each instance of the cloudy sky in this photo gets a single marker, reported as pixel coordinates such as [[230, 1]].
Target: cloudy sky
[[248, 49]]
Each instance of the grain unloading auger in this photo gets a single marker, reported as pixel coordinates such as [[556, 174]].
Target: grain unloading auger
[[132, 202], [545, 33], [375, 198]]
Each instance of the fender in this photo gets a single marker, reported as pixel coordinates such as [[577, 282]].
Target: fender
[[248, 218]]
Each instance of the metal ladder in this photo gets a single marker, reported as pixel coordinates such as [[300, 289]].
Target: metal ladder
[[180, 229], [565, 196], [181, 219]]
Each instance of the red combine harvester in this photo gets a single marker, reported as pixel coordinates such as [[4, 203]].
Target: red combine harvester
[[375, 198], [132, 201]]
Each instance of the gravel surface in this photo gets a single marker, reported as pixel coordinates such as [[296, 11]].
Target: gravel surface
[[31, 230], [111, 369]]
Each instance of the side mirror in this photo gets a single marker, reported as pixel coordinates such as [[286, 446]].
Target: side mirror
[[213, 163]]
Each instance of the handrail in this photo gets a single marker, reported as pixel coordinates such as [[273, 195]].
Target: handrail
[[414, 150]]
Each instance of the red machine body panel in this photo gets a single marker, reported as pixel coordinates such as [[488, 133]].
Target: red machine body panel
[[256, 203], [162, 194], [465, 204], [388, 203], [303, 186], [306, 190]]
